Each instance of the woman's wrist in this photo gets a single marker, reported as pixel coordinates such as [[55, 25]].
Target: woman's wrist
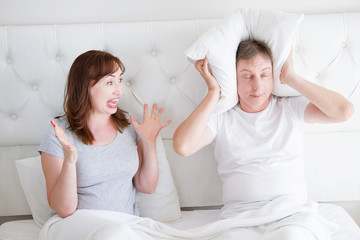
[[69, 162], [148, 143]]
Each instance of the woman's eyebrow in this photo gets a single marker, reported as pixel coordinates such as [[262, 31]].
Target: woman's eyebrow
[[112, 74]]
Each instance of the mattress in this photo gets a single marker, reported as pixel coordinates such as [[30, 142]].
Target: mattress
[[348, 229]]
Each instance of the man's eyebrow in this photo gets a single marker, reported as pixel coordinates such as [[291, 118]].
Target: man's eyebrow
[[266, 68]]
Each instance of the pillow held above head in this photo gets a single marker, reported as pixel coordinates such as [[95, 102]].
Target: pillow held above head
[[219, 45]]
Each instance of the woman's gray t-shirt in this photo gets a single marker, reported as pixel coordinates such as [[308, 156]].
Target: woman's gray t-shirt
[[104, 173]]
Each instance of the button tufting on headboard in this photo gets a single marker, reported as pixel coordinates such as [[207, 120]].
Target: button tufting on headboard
[[156, 68]]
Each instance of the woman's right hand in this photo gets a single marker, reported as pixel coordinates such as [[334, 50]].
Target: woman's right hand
[[70, 152], [203, 67]]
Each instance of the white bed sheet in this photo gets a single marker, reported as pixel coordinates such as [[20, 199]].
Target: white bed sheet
[[349, 230]]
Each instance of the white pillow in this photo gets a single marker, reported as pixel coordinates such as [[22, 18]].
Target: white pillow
[[219, 45], [33, 183], [163, 205]]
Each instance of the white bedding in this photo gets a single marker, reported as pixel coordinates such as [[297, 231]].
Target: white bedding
[[198, 224]]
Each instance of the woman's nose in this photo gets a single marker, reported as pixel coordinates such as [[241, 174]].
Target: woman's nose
[[118, 88]]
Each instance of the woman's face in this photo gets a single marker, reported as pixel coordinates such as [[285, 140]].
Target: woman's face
[[105, 94], [255, 83]]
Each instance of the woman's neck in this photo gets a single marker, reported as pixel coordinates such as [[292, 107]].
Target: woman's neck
[[103, 129]]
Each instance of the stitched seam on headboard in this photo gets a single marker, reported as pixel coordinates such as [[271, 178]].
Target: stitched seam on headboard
[[5, 42], [101, 26]]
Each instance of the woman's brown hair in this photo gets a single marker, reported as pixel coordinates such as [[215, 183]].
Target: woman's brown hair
[[87, 69], [249, 48]]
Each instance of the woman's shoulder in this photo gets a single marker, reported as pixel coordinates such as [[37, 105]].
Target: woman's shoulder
[[62, 122], [65, 125]]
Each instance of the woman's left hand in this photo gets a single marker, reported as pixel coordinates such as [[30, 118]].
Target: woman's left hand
[[149, 129]]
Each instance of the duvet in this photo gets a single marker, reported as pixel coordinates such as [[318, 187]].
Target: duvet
[[274, 220]]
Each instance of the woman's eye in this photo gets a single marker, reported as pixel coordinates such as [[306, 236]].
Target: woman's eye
[[120, 80], [109, 83]]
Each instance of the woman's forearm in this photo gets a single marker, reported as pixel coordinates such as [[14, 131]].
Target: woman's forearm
[[148, 174], [63, 198]]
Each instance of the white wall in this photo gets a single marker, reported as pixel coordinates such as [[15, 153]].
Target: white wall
[[15, 12]]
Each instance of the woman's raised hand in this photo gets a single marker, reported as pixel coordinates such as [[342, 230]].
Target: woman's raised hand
[[149, 129], [70, 152]]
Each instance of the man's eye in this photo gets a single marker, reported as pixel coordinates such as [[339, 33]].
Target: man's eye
[[266, 75]]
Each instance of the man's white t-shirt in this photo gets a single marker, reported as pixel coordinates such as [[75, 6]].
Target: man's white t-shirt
[[260, 155]]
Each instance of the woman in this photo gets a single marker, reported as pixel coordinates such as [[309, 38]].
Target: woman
[[93, 158]]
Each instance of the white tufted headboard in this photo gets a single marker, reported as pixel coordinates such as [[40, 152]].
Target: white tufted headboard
[[34, 61]]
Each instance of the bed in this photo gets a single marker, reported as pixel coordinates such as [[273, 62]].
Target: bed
[[35, 59]]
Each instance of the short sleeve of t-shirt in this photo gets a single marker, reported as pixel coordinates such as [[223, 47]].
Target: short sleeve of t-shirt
[[50, 144], [296, 106], [213, 123]]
